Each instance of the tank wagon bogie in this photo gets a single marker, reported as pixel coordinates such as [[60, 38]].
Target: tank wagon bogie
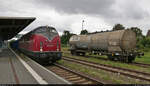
[[118, 45]]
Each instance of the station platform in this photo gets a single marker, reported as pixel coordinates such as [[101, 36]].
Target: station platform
[[18, 70]]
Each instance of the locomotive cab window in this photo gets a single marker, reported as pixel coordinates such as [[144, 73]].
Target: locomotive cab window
[[48, 32], [40, 30], [53, 31]]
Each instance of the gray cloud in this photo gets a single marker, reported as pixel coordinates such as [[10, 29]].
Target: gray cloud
[[129, 9], [96, 7], [127, 12]]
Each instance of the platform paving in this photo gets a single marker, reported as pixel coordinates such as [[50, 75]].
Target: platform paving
[[12, 71]]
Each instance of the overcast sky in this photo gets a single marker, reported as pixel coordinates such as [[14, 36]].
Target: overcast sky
[[68, 14]]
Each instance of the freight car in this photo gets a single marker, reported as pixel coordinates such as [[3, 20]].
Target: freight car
[[41, 44], [14, 44], [117, 45]]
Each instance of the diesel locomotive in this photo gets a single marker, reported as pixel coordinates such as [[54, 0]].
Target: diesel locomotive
[[117, 45], [41, 44]]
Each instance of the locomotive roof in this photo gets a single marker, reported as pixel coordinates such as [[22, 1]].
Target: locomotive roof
[[11, 26], [42, 27], [37, 29]]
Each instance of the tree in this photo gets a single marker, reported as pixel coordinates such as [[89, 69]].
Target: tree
[[137, 31], [83, 32], [66, 36], [145, 42], [118, 27]]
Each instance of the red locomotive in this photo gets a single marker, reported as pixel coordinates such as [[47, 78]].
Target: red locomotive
[[42, 44]]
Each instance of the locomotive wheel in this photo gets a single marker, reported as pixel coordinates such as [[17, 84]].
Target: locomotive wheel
[[54, 61], [50, 60]]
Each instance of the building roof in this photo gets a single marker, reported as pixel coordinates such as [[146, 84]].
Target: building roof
[[11, 26]]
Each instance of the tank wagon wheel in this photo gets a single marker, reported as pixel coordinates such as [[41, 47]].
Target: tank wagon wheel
[[73, 52], [110, 57], [126, 59], [83, 53], [78, 53], [123, 59], [131, 59]]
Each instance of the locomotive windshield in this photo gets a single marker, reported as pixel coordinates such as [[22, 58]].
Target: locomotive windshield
[[48, 32]]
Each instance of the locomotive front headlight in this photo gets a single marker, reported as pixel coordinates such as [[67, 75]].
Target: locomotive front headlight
[[41, 50]]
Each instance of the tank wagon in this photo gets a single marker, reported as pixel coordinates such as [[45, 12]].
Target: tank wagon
[[117, 45], [41, 44]]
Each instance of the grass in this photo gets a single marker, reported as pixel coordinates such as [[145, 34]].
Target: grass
[[145, 58], [115, 64], [108, 77]]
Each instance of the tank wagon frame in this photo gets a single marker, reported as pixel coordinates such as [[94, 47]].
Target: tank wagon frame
[[117, 45]]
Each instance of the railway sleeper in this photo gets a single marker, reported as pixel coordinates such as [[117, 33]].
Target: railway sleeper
[[84, 82], [73, 79], [73, 76], [89, 82], [80, 81]]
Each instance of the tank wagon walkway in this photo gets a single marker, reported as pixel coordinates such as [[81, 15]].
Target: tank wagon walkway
[[14, 71]]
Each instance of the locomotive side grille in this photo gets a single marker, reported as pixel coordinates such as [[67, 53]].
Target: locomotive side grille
[[57, 45], [41, 46]]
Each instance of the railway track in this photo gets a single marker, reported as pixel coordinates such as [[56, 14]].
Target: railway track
[[121, 71], [134, 63], [141, 64], [73, 76]]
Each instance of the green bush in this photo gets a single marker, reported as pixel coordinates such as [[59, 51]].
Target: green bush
[[63, 45], [143, 44]]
